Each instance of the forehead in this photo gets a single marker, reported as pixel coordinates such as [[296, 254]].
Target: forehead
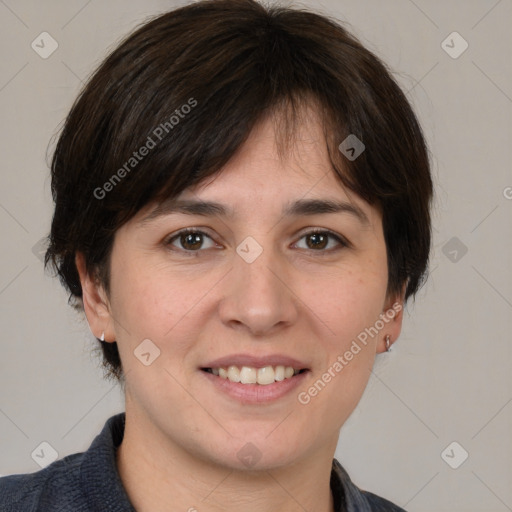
[[271, 176], [262, 171]]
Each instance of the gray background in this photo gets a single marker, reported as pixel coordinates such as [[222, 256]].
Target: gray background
[[448, 378]]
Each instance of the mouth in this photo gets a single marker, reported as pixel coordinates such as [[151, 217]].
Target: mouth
[[262, 376], [255, 378], [260, 384]]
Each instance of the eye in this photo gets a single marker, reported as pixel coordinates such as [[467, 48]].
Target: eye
[[322, 240], [191, 240]]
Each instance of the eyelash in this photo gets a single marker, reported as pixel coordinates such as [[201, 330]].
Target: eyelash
[[343, 243]]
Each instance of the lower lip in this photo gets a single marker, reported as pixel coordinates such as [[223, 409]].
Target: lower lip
[[256, 393]]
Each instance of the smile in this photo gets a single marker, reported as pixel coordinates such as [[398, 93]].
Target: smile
[[252, 375], [259, 386]]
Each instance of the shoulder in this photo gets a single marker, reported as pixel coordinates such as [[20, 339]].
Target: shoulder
[[348, 496], [81, 482], [379, 504], [56, 487]]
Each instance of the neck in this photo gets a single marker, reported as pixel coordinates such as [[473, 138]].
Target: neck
[[157, 473]]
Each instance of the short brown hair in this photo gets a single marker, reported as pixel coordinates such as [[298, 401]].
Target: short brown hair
[[231, 62]]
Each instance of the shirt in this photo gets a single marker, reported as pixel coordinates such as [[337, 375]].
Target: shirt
[[89, 482]]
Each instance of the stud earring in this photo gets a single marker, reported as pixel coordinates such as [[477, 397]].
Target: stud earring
[[102, 337], [388, 345]]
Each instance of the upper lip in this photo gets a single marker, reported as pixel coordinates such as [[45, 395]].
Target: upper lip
[[256, 361]]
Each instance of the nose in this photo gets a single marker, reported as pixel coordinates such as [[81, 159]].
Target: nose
[[258, 297]]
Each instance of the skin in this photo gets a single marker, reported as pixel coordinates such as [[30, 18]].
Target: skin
[[182, 435]]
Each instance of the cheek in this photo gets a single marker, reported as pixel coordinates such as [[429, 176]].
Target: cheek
[[156, 302], [137, 301], [348, 303], [347, 300], [150, 303]]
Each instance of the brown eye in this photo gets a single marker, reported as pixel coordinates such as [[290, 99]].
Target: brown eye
[[191, 241], [317, 240], [321, 241]]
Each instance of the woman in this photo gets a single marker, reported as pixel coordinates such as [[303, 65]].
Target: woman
[[242, 210]]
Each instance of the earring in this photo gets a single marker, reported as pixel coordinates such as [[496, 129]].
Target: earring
[[102, 337], [388, 346]]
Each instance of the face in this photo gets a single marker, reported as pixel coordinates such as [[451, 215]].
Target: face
[[272, 275]]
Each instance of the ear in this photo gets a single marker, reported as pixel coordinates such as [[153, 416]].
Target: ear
[[95, 300], [392, 316]]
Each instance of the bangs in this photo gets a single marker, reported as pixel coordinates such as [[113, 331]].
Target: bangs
[[191, 133]]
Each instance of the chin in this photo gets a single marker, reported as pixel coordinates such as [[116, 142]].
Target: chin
[[256, 453]]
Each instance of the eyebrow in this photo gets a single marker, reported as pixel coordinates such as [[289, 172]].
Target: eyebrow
[[295, 208]]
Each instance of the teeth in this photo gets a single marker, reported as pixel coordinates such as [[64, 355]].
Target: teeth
[[266, 375], [250, 375], [279, 373], [233, 374]]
